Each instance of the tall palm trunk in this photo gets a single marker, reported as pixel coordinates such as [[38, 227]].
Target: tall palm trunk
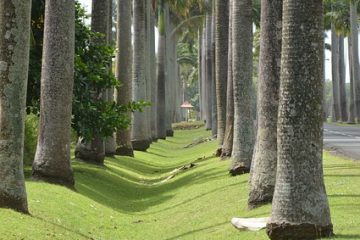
[[300, 207], [242, 37], [208, 66], [221, 16], [352, 87], [200, 73], [355, 57], [52, 159], [123, 71], [94, 151], [14, 59], [229, 127], [152, 63], [161, 57], [213, 80], [342, 78], [203, 74], [147, 62], [140, 137], [263, 170], [335, 75]]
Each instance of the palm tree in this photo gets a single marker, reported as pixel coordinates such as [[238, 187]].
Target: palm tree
[[355, 56], [161, 57], [14, 56], [242, 39], [229, 127], [221, 16], [335, 74], [263, 169], [94, 151], [52, 159], [123, 71], [342, 84], [140, 136], [300, 207], [208, 65], [352, 85]]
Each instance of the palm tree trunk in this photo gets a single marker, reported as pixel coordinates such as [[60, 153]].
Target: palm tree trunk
[[140, 137], [153, 75], [355, 57], [200, 73], [342, 75], [161, 77], [214, 128], [221, 16], [242, 75], [52, 159], [208, 66], [229, 127], [94, 151], [169, 73], [335, 75], [147, 63], [263, 171], [123, 71], [300, 207], [352, 85], [203, 75], [14, 56]]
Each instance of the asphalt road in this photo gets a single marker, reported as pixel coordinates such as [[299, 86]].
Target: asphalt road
[[345, 140]]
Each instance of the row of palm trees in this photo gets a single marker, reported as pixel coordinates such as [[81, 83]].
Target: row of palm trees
[[283, 153]]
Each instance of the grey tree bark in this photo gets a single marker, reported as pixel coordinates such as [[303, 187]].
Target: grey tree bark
[[242, 37], [14, 61], [52, 159], [110, 143], [94, 151], [263, 170], [140, 137], [335, 75], [214, 125], [355, 57], [221, 16], [203, 74], [124, 71], [208, 65], [352, 85], [229, 127], [342, 84], [300, 207], [161, 57], [147, 63], [153, 75], [200, 73]]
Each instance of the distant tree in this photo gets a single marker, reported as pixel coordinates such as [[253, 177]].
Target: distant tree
[[52, 159], [14, 61], [300, 207]]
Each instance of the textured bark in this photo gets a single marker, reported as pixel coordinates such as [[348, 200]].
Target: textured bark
[[355, 57], [300, 207], [140, 137], [208, 66], [52, 159], [94, 151], [335, 75], [200, 40], [146, 63], [110, 144], [342, 78], [169, 72], [229, 129], [14, 61], [123, 72], [203, 74], [161, 57], [213, 80], [152, 63], [352, 87], [263, 170], [242, 75], [221, 59]]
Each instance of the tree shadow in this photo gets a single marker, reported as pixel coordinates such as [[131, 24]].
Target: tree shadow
[[346, 236]]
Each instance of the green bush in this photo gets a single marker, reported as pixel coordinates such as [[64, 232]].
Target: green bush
[[31, 135]]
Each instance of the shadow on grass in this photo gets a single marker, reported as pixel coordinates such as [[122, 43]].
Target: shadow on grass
[[198, 230], [347, 236]]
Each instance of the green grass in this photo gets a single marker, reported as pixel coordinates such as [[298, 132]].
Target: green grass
[[125, 200]]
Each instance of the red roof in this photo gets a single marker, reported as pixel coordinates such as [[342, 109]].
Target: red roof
[[186, 104]]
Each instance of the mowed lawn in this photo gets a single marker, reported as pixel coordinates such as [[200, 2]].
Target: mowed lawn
[[130, 198]]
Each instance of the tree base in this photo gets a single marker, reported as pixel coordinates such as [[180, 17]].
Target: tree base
[[125, 151], [218, 152], [19, 205], [225, 153], [303, 231], [67, 181], [240, 170], [261, 197], [169, 133], [140, 145], [90, 156]]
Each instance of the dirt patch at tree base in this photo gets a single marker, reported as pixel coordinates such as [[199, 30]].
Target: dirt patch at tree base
[[16, 204], [258, 198], [303, 231], [140, 145], [235, 171], [124, 151]]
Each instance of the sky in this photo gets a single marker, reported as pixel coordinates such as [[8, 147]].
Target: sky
[[87, 5]]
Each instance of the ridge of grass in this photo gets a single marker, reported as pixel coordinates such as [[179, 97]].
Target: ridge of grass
[[118, 201]]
